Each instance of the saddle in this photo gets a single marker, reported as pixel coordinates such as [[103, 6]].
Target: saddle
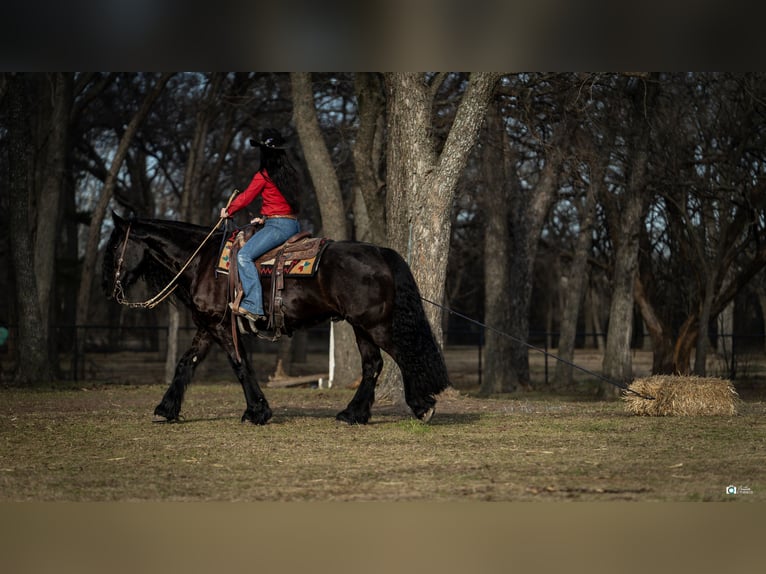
[[299, 256]]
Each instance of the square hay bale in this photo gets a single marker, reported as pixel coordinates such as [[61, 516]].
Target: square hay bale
[[682, 396]]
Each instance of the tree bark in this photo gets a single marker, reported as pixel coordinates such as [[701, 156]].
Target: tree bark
[[575, 292], [421, 184], [626, 225], [724, 343], [346, 358], [318, 158], [617, 362], [370, 210], [60, 94], [32, 346], [532, 206], [497, 166], [662, 342]]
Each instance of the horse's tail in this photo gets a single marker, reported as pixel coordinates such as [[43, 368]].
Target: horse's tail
[[424, 372]]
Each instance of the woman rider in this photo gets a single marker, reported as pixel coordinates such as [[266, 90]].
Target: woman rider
[[276, 181]]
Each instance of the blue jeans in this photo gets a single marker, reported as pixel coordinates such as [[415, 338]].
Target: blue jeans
[[274, 233]]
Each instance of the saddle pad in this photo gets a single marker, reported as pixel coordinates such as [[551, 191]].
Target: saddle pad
[[303, 262], [224, 259]]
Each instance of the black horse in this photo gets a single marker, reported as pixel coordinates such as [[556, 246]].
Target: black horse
[[371, 287]]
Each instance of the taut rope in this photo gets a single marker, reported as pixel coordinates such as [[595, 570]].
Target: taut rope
[[599, 376]]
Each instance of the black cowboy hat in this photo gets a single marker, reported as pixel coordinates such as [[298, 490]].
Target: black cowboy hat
[[270, 138]]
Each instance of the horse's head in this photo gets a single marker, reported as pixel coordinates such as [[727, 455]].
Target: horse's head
[[124, 258]]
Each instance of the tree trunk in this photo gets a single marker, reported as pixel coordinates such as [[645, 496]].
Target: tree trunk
[[662, 342], [348, 368], [703, 341], [617, 362], [575, 292], [421, 185], [725, 341], [594, 324], [55, 136], [32, 347], [195, 206], [626, 225], [531, 206], [685, 344], [369, 207], [497, 316]]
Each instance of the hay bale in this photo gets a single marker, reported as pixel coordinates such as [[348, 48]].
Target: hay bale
[[682, 396]]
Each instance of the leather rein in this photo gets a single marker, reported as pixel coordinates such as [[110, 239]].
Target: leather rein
[[119, 294]]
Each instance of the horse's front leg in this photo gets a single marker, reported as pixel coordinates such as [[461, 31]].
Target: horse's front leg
[[258, 411], [170, 406]]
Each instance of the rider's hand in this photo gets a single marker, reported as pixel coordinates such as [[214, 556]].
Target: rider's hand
[[224, 213], [257, 220]]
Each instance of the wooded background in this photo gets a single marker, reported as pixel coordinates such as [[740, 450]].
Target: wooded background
[[628, 206]]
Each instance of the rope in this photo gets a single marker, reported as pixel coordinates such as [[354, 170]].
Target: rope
[[171, 286], [599, 376]]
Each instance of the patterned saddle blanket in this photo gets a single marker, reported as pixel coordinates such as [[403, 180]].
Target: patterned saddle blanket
[[298, 257]]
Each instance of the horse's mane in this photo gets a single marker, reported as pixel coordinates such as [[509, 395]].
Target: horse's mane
[[179, 227], [186, 236]]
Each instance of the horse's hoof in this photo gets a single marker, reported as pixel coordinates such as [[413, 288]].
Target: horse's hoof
[[348, 418], [163, 419], [426, 416], [257, 418]]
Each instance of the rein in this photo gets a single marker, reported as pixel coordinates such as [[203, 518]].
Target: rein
[[118, 292]]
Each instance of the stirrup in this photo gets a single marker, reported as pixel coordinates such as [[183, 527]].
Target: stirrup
[[237, 310]]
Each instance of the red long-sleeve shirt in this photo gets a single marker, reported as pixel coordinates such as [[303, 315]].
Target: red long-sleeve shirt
[[274, 203]]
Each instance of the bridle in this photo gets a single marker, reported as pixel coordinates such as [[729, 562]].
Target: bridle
[[118, 292]]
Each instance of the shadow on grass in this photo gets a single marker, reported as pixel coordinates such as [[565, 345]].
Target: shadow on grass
[[288, 415]]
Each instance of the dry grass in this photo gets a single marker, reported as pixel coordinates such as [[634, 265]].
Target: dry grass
[[99, 445], [682, 396]]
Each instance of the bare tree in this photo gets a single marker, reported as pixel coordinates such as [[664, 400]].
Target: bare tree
[[577, 275], [706, 221], [421, 183], [97, 217], [627, 210]]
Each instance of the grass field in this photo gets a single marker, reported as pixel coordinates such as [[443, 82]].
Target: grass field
[[98, 444]]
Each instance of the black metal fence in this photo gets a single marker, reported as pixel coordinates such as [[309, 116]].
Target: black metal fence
[[145, 346]]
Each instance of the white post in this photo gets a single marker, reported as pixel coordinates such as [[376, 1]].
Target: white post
[[331, 376]]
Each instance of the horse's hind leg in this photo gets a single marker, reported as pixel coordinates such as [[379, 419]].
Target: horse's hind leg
[[170, 406], [358, 410]]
